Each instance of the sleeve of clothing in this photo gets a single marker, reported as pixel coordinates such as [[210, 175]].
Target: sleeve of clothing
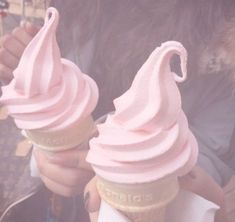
[[209, 103]]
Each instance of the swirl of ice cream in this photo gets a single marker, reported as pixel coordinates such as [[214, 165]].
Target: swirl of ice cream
[[147, 137], [48, 92]]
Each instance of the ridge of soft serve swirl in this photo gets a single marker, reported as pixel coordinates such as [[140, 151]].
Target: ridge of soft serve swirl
[[47, 91], [147, 137]]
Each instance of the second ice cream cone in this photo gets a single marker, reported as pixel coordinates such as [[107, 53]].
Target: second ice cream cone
[[146, 144]]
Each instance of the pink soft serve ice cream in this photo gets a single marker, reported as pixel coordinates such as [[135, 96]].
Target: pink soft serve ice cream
[[147, 137], [48, 93]]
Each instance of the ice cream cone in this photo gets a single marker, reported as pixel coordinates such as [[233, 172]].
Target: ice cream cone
[[63, 139], [50, 98], [144, 202], [145, 144]]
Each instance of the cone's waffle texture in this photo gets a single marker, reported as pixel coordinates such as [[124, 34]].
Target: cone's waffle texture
[[64, 139], [140, 202]]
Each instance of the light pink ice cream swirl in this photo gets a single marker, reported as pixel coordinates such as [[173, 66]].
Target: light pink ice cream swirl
[[47, 92], [147, 138]]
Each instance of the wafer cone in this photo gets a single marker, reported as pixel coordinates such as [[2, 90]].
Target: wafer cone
[[62, 140], [144, 202]]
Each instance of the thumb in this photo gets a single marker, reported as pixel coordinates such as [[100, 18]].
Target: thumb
[[92, 200]]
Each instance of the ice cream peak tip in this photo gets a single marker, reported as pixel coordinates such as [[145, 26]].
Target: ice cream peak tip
[[40, 66], [167, 50], [153, 99], [52, 16]]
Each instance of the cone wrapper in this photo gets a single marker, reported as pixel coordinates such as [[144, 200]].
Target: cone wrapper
[[140, 202], [195, 209], [62, 140]]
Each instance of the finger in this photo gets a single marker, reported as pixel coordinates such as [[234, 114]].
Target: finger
[[91, 197], [71, 176], [187, 183], [195, 182], [94, 216], [61, 189], [5, 73], [12, 45], [8, 59], [21, 34], [71, 158]]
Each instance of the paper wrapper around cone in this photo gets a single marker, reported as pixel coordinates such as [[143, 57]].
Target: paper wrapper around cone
[[144, 202], [62, 140]]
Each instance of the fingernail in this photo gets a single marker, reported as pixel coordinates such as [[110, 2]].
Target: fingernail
[[86, 201]]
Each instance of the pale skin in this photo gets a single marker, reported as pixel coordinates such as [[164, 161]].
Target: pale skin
[[12, 47], [67, 173]]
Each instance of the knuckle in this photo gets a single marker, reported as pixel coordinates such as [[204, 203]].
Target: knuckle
[[2, 67], [2, 54], [78, 181], [4, 57], [75, 180], [17, 30], [4, 39], [70, 191]]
